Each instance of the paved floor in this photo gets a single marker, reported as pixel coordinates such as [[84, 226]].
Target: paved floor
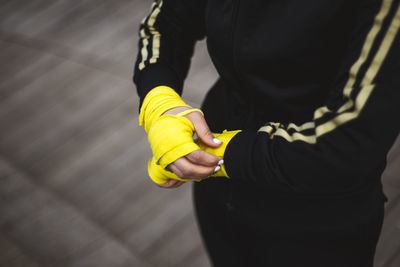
[[73, 190]]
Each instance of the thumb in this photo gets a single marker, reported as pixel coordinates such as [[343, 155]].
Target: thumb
[[202, 129]]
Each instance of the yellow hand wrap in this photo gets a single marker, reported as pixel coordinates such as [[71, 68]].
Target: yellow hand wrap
[[225, 137], [157, 101], [170, 136], [161, 175]]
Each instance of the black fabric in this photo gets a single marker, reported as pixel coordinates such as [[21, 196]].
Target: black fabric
[[251, 224], [235, 235]]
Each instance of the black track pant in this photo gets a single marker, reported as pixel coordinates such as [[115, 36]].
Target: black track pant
[[235, 237]]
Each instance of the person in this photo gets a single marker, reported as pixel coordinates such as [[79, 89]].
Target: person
[[302, 116]]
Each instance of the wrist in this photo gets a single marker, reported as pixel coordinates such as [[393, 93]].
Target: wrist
[[158, 101]]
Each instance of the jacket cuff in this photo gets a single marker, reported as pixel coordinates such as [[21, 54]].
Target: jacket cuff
[[156, 75], [238, 153]]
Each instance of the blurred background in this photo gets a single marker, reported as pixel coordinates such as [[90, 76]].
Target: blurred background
[[73, 184]]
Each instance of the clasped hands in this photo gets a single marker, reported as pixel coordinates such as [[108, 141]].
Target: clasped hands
[[185, 161], [178, 158]]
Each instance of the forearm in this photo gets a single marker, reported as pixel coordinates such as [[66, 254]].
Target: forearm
[[167, 36]]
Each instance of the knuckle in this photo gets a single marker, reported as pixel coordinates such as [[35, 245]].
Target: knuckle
[[195, 156], [183, 176], [203, 131], [188, 172], [180, 174]]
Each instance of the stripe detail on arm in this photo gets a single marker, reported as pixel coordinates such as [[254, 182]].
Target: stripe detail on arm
[[367, 85], [365, 51], [148, 22]]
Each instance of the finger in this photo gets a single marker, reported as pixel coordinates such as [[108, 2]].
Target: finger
[[184, 169], [178, 184], [170, 184], [201, 157], [202, 129]]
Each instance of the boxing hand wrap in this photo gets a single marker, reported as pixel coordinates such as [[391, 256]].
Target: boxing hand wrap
[[171, 137], [157, 101], [161, 175], [225, 137]]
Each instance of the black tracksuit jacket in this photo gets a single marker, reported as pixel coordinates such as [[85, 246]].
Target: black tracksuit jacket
[[314, 85]]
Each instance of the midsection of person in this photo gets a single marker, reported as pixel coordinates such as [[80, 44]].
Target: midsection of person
[[274, 208], [277, 62]]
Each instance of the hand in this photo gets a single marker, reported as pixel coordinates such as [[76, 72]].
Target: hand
[[198, 164]]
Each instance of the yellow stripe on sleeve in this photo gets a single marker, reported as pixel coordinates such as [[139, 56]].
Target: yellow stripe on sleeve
[[367, 85]]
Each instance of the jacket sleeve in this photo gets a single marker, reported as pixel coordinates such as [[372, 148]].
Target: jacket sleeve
[[343, 147], [167, 36]]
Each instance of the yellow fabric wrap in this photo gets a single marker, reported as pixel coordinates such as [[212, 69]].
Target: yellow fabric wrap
[[161, 175], [157, 101], [225, 137], [170, 136]]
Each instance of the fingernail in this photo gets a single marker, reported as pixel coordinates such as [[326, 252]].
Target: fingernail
[[217, 169], [217, 141], [221, 162]]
